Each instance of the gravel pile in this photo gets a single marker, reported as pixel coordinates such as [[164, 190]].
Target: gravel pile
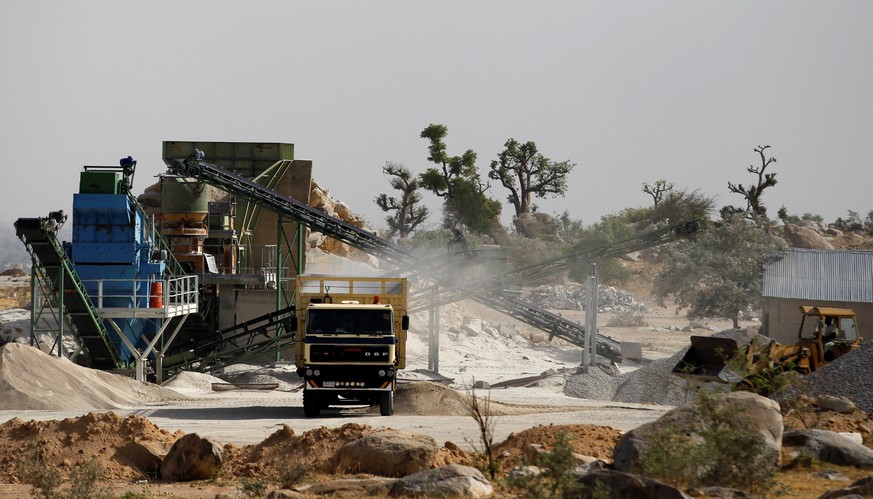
[[847, 376], [654, 383], [285, 376], [573, 297]]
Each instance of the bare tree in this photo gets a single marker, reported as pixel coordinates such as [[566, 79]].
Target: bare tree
[[752, 193], [406, 214], [658, 190]]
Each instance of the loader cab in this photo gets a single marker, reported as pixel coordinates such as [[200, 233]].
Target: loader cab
[[828, 323], [830, 332]]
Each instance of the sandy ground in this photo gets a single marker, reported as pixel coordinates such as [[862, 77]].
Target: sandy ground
[[502, 351]]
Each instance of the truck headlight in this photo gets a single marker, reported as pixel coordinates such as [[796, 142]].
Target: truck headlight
[[317, 372], [308, 372], [381, 373]]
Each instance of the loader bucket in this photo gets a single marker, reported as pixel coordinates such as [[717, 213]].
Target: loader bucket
[[706, 360]]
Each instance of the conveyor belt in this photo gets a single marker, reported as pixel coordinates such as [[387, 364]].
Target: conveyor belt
[[441, 294], [268, 333], [40, 237], [552, 323], [487, 291], [293, 209]]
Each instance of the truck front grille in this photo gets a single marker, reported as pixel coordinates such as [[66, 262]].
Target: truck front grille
[[349, 353]]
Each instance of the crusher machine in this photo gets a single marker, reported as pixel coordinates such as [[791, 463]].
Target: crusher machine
[[112, 280]]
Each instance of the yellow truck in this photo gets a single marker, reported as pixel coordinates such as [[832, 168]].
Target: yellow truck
[[825, 334], [350, 340]]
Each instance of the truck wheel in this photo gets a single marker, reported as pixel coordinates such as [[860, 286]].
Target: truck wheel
[[386, 403], [311, 407]]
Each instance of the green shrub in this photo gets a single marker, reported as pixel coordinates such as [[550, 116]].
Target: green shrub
[[290, 473], [34, 471], [556, 478], [46, 480], [85, 482], [253, 487], [719, 448]]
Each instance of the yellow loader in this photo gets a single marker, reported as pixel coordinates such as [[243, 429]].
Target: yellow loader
[[825, 334]]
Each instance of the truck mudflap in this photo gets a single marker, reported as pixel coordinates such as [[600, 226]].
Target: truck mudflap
[[707, 359]]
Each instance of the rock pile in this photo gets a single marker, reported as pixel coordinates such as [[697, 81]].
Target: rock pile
[[651, 384], [320, 198], [848, 376], [573, 296]]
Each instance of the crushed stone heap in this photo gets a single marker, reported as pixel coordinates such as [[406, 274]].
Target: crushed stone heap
[[33, 380], [651, 384], [845, 377], [573, 296]]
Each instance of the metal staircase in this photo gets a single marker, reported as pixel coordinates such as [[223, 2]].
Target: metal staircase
[[39, 236], [173, 267]]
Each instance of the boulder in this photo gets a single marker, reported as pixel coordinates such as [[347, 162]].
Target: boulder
[[522, 472], [343, 212], [192, 457], [145, 456], [453, 480], [469, 330], [830, 447], [620, 485], [351, 487], [759, 413], [315, 239], [859, 488], [837, 404], [387, 453], [537, 337], [801, 237]]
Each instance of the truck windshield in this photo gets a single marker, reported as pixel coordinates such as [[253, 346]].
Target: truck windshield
[[355, 321]]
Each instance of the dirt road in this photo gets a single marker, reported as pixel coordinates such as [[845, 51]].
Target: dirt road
[[248, 417]]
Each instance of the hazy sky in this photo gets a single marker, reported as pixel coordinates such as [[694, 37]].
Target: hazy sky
[[630, 91]]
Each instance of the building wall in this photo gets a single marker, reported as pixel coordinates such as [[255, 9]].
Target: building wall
[[781, 317]]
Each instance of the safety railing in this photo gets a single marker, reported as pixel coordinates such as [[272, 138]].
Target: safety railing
[[132, 298]]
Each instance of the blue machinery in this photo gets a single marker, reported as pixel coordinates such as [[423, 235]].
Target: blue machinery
[[112, 281]]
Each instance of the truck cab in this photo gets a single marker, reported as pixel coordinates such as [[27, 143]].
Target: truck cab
[[351, 340]]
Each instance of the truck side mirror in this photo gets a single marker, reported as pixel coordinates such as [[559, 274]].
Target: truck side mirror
[[291, 325], [404, 323]]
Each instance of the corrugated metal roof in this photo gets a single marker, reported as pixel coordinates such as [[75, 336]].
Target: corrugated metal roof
[[827, 275]]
